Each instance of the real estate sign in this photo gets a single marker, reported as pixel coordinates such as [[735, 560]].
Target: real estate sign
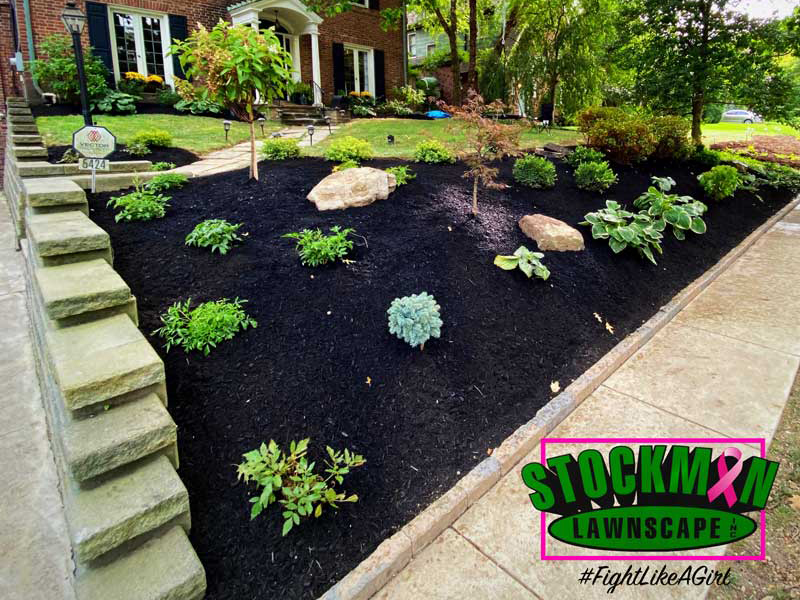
[[93, 141]]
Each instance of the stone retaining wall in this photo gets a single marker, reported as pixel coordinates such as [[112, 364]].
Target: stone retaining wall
[[103, 385]]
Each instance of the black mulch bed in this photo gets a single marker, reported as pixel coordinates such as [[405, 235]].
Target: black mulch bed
[[428, 417], [179, 156], [63, 110]]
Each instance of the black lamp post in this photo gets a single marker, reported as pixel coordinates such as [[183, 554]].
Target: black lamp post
[[310, 129], [74, 20], [261, 121], [227, 125], [328, 123]]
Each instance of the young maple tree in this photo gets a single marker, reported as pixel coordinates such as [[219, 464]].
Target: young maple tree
[[237, 65], [486, 140]]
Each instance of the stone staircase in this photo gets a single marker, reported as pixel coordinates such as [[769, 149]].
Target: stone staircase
[[299, 115], [103, 384]]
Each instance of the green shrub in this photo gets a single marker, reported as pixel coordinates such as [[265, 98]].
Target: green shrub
[[683, 213], [143, 204], [595, 176], [720, 182], [583, 154], [166, 181], [204, 327], [70, 155], [115, 102], [707, 158], [402, 174], [781, 177], [534, 171], [529, 262], [137, 149], [198, 106], [590, 116], [154, 138], [56, 71], [623, 228], [409, 96], [433, 152], [316, 249], [395, 107], [163, 166], [290, 480], [672, 138], [415, 319], [280, 149], [168, 97], [216, 234], [348, 148], [624, 141], [348, 164]]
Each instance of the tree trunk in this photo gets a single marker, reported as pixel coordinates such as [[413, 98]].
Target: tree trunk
[[475, 196], [455, 69], [253, 161], [698, 104], [472, 73]]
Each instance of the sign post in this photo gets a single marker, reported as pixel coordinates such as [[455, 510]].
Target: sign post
[[94, 144]]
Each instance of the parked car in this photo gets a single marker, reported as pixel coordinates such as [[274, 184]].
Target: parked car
[[740, 116]]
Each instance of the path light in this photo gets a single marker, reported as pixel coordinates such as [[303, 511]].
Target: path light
[[261, 121], [74, 20], [390, 139], [328, 123], [310, 129], [227, 125], [276, 134]]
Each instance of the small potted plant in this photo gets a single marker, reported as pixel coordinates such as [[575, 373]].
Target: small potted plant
[[301, 93]]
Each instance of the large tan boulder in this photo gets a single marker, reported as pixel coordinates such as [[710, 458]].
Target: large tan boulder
[[551, 234], [352, 187]]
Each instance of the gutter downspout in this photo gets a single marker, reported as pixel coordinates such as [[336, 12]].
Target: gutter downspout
[[26, 8], [405, 46]]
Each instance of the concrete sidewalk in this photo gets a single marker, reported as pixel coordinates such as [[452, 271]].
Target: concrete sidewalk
[[723, 367]]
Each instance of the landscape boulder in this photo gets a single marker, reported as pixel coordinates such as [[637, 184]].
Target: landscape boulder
[[352, 187], [551, 234]]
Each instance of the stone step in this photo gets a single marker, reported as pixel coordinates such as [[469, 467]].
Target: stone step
[[24, 118], [81, 287], [67, 237], [173, 573], [19, 110], [111, 182], [132, 502], [31, 152], [97, 361], [303, 122], [45, 195], [46, 169], [118, 436], [15, 128], [26, 140]]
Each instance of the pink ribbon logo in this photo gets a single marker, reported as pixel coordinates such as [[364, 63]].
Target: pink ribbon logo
[[726, 478]]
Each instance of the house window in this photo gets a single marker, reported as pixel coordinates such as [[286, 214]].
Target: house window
[[364, 3], [139, 43], [430, 49], [358, 70], [412, 48]]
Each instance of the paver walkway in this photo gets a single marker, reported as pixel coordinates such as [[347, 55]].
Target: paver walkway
[[723, 368], [34, 546]]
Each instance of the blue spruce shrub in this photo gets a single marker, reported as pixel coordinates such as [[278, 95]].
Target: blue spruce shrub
[[415, 319]]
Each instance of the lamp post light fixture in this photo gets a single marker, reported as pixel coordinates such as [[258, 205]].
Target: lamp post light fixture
[[261, 121], [74, 20], [227, 125], [328, 123], [310, 129], [390, 139]]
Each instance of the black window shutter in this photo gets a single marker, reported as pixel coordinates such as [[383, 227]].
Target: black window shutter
[[374, 4], [99, 38], [177, 31], [380, 74], [338, 68]]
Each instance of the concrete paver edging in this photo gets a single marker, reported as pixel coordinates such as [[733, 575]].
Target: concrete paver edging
[[393, 554]]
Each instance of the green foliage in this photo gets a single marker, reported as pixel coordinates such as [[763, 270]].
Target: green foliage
[[157, 138], [595, 176], [587, 118], [623, 138], [683, 213], [137, 149], [433, 152], [205, 326], [672, 138], [56, 71], [780, 177], [583, 154], [623, 228], [348, 164], [115, 102], [415, 319], [409, 96], [163, 166], [198, 106], [720, 182], [402, 174], [166, 181], [534, 171], [168, 97], [706, 157], [290, 480], [143, 204], [216, 234], [394, 107], [280, 149], [70, 155], [529, 262], [359, 110], [348, 148], [316, 249]]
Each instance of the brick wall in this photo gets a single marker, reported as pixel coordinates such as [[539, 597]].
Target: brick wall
[[7, 76]]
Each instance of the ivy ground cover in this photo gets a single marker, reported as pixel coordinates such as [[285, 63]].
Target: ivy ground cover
[[322, 364]]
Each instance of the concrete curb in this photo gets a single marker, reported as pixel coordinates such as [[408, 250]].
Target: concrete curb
[[397, 551]]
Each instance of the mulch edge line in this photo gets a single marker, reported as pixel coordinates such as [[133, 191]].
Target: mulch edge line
[[394, 553]]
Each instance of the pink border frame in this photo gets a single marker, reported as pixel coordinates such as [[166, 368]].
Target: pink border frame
[[543, 526]]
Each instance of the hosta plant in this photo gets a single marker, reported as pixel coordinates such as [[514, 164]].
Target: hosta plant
[[583, 154], [166, 181], [529, 262], [291, 481], [316, 248], [205, 326], [594, 176], [415, 319], [623, 228], [142, 204], [402, 174], [163, 166], [683, 213], [216, 234], [720, 182], [137, 149]]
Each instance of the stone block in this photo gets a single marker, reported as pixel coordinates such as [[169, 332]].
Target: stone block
[[21, 118], [18, 110], [77, 288], [56, 208], [112, 182], [39, 168], [65, 233], [29, 151], [17, 127], [52, 192], [426, 526], [26, 140]]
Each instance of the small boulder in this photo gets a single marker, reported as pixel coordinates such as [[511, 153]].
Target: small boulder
[[352, 187], [551, 234]]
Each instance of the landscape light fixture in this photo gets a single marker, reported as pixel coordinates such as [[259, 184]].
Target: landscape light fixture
[[261, 121], [390, 139], [276, 134], [227, 125], [310, 129], [328, 123], [74, 20]]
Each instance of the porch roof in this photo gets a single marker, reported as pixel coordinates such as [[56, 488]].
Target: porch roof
[[294, 7]]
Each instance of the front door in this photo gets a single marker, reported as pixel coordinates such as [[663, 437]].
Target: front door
[[357, 70], [139, 43]]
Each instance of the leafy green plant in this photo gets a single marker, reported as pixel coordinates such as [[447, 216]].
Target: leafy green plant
[[198, 106], [205, 326], [529, 262], [115, 102], [280, 149], [780, 177], [137, 149], [583, 154], [433, 152], [534, 171], [595, 176], [348, 148], [155, 138], [720, 182], [672, 137], [70, 155], [415, 319], [402, 174], [706, 157], [395, 107], [142, 204], [217, 234], [163, 166], [166, 181], [56, 71], [290, 480], [348, 164], [623, 137], [623, 228], [168, 97], [316, 248], [683, 213]]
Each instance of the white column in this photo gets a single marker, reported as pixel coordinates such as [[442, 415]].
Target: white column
[[315, 73]]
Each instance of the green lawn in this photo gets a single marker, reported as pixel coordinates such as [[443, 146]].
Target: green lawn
[[198, 134], [736, 132]]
